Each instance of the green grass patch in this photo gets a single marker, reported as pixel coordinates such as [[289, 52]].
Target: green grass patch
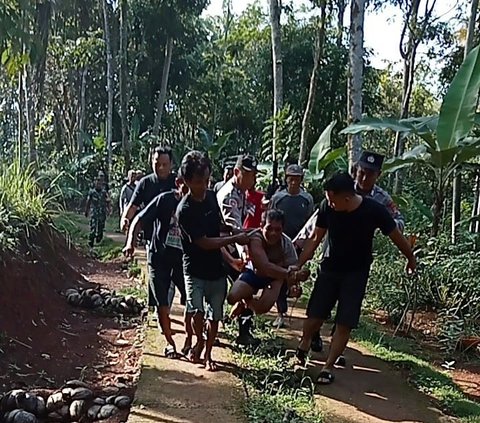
[[407, 356], [134, 270], [138, 291], [275, 392]]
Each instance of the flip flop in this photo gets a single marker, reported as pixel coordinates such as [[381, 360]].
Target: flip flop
[[170, 352], [325, 377], [301, 356]]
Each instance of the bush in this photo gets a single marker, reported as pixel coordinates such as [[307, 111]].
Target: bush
[[446, 282]]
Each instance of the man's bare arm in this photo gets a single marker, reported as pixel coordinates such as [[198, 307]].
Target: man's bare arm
[[133, 231], [404, 246], [311, 245], [263, 265], [128, 214], [219, 242]]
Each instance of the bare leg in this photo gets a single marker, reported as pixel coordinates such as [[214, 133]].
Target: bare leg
[[165, 324], [198, 322], [267, 299], [188, 323], [339, 343], [212, 330], [310, 326]]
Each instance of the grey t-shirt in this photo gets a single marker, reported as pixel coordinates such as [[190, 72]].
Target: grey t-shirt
[[297, 209]]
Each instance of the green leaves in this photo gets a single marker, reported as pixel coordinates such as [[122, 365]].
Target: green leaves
[[457, 113], [320, 150]]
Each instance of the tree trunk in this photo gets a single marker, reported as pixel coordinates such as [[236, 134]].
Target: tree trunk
[[318, 55], [163, 87], [29, 114], [123, 84], [355, 81], [275, 12], [340, 17], [457, 179], [21, 111], [109, 55], [81, 114]]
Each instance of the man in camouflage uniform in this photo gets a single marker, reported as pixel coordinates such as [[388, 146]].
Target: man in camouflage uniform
[[234, 207], [97, 207]]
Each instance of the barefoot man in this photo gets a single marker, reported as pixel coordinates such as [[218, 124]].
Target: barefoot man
[[200, 221], [351, 221], [273, 257]]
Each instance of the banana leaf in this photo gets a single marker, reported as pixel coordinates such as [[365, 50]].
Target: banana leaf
[[457, 114], [320, 149]]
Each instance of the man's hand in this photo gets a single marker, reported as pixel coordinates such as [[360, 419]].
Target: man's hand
[[411, 266], [129, 250], [124, 224], [237, 264], [302, 275]]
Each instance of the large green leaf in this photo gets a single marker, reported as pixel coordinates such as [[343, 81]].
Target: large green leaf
[[320, 149], [415, 155], [378, 124], [457, 113]]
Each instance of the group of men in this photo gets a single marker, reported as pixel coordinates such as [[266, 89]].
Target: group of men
[[197, 236]]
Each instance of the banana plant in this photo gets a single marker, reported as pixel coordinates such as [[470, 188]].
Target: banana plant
[[445, 139]]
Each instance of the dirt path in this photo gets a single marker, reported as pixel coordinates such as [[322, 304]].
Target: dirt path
[[368, 390]]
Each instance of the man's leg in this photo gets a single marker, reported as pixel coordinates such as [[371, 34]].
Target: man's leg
[[267, 299], [215, 293], [195, 291], [100, 229], [282, 306], [91, 236], [339, 343]]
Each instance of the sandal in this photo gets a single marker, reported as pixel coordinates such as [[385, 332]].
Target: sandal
[[170, 352], [325, 377], [301, 356]]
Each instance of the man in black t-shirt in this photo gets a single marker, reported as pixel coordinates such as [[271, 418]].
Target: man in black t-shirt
[[165, 258], [200, 221], [351, 221], [161, 180]]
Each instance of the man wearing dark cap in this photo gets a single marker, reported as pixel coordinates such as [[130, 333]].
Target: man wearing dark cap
[[297, 206], [233, 205], [227, 174], [366, 173]]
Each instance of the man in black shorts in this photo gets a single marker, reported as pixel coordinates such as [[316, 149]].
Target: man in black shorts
[[165, 258], [273, 257], [351, 221]]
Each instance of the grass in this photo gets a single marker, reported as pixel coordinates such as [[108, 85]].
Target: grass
[[407, 356], [275, 393]]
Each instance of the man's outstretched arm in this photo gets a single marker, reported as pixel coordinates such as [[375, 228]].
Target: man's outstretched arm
[[311, 245], [406, 249]]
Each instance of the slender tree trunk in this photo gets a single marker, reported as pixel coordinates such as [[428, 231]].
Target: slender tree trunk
[[109, 55], [355, 82], [124, 84], [275, 12], [29, 114], [457, 181], [340, 18], [318, 55], [163, 87], [81, 114], [21, 111]]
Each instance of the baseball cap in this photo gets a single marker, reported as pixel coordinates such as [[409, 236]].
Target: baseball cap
[[246, 162], [294, 170], [370, 160]]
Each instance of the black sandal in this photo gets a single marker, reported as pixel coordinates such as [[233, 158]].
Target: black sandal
[[301, 356], [170, 352], [325, 377]]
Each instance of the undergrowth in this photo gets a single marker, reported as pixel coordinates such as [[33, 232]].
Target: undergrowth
[[407, 356], [275, 392]]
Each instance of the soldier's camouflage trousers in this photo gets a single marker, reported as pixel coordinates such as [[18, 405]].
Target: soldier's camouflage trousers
[[97, 226]]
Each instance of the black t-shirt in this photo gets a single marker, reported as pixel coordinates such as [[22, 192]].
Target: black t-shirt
[[350, 234], [147, 189], [160, 215], [198, 219]]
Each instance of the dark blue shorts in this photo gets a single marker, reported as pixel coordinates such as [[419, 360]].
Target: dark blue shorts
[[255, 281]]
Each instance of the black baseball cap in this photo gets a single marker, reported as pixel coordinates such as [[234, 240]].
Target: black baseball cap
[[370, 160], [246, 162]]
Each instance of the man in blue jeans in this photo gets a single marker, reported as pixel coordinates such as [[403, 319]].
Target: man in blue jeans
[[200, 221]]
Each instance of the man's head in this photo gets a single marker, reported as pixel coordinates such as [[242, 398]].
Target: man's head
[[272, 226], [195, 170], [340, 191], [294, 177], [99, 183], [245, 172], [367, 170], [182, 187], [138, 175], [131, 176], [227, 172], [162, 161]]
